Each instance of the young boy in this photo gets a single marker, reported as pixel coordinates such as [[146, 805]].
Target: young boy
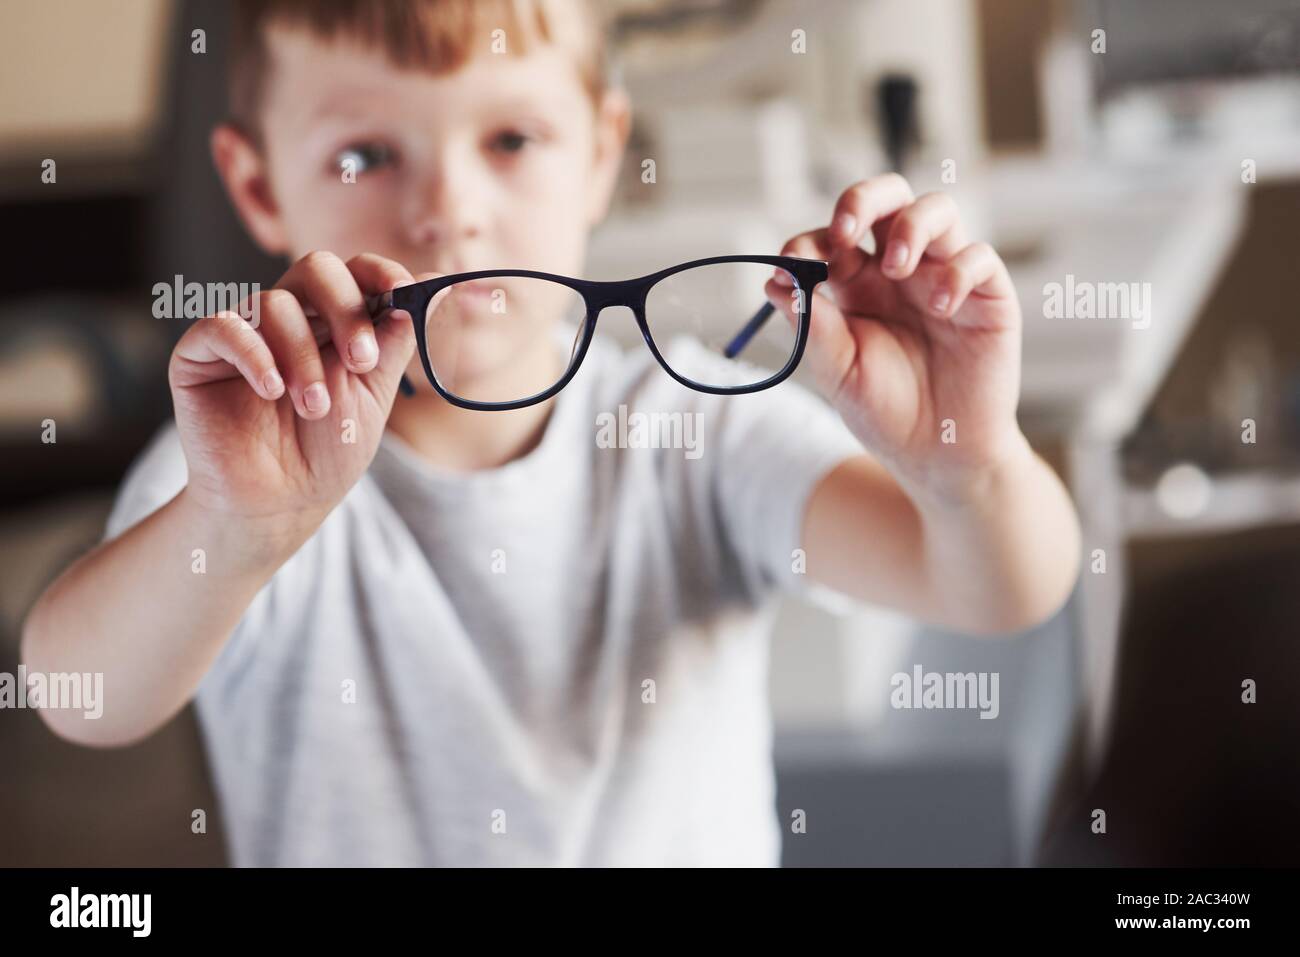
[[475, 637]]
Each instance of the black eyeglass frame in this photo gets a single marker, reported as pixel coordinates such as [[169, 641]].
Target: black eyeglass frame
[[599, 295]]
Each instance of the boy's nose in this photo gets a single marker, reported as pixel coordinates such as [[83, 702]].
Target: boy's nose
[[443, 209]]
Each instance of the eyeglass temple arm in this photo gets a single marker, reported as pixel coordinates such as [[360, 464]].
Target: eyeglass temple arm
[[748, 331], [376, 306]]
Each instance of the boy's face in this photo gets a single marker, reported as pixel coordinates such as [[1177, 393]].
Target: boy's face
[[504, 163]]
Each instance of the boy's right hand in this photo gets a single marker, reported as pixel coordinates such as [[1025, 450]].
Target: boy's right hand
[[276, 428]]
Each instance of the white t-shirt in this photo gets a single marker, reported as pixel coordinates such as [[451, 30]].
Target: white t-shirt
[[561, 661]]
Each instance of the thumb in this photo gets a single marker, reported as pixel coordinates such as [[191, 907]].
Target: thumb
[[395, 332], [830, 341]]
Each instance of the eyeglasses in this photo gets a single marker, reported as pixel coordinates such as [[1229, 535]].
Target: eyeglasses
[[501, 339]]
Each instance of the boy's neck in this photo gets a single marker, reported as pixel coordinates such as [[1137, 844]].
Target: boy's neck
[[465, 440], [462, 440]]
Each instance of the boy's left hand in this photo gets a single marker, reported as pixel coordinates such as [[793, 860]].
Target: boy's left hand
[[926, 330]]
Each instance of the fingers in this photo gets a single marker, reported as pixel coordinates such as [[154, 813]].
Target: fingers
[[826, 326], [863, 204], [930, 227], [283, 354], [859, 210], [905, 229], [289, 336], [221, 347], [336, 291], [326, 282], [397, 336], [397, 343], [943, 288], [814, 244], [977, 269], [375, 274]]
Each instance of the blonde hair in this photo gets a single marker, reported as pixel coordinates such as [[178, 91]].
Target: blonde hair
[[434, 35]]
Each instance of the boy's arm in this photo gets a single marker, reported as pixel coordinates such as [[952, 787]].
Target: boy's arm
[[134, 610], [261, 415], [998, 557], [918, 350]]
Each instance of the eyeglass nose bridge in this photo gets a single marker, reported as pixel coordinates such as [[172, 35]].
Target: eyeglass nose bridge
[[602, 295], [605, 295]]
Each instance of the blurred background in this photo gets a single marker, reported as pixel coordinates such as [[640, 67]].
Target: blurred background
[[1164, 149]]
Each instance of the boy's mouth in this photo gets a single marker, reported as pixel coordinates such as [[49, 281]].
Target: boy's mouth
[[475, 290]]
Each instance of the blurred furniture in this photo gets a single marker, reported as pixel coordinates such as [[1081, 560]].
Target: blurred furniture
[[94, 113], [67, 806], [1087, 380]]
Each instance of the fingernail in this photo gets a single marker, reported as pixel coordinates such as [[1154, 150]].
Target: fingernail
[[896, 256], [272, 384], [363, 350], [939, 301], [316, 397], [782, 278], [846, 224]]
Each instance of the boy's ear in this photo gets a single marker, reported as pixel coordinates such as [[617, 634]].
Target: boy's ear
[[613, 125], [243, 172]]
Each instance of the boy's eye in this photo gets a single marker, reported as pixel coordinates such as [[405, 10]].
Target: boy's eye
[[509, 142], [363, 158]]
